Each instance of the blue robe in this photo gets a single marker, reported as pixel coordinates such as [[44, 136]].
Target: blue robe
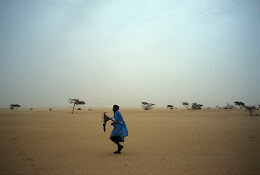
[[120, 128]]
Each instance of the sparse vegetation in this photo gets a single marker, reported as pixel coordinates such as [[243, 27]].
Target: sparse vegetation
[[239, 104], [75, 102], [186, 104], [195, 106], [170, 106], [228, 106], [14, 106], [250, 109], [147, 106]]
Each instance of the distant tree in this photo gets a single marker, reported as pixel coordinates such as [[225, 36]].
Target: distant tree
[[79, 109], [217, 106], [170, 106], [147, 106], [186, 104], [75, 102], [14, 106], [31, 109], [240, 104], [196, 106], [250, 109]]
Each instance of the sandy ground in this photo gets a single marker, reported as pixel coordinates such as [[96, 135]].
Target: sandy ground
[[160, 141]]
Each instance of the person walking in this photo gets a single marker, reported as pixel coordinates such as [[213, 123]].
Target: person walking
[[120, 130]]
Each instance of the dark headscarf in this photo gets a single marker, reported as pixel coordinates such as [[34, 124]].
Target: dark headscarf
[[115, 108]]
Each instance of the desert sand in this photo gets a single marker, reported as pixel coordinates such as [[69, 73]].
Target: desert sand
[[160, 141]]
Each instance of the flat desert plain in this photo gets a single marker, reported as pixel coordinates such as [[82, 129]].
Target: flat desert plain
[[160, 141]]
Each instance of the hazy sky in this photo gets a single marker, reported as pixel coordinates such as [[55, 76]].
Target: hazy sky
[[123, 52]]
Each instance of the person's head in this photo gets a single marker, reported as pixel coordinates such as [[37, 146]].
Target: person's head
[[115, 108]]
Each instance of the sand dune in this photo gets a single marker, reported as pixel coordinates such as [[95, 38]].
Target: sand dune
[[160, 141]]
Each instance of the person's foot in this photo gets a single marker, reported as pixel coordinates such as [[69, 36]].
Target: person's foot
[[117, 152]]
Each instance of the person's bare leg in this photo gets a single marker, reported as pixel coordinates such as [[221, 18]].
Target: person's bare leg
[[119, 148]]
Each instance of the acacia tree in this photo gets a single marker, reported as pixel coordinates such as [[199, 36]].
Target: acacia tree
[[186, 104], [75, 102], [240, 104], [14, 106], [147, 106], [170, 106], [250, 109], [196, 106]]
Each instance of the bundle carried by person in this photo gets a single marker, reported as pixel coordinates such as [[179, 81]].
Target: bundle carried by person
[[105, 119]]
